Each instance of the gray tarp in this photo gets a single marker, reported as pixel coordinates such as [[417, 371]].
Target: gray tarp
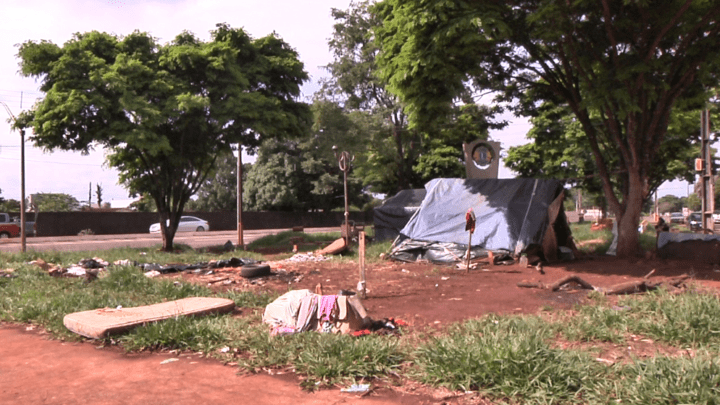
[[395, 212], [512, 215]]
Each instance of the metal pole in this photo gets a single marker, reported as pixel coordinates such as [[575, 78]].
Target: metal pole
[[344, 160], [347, 213], [22, 190], [241, 241]]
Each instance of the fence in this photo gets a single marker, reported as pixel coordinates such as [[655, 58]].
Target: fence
[[107, 223]]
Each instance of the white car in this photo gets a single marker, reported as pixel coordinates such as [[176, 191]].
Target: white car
[[186, 224]]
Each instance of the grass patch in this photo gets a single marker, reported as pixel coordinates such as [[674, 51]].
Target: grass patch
[[289, 238], [507, 357], [685, 320], [35, 297], [660, 380]]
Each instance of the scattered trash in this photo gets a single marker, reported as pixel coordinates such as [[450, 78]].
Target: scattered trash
[[152, 273], [301, 310], [444, 278], [306, 257], [170, 360], [357, 388], [8, 273]]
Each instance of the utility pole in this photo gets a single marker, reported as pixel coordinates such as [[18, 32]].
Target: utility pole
[[705, 169], [241, 241], [23, 245]]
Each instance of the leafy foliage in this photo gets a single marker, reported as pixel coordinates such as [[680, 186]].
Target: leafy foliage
[[165, 112], [55, 202], [302, 175], [219, 192], [620, 67]]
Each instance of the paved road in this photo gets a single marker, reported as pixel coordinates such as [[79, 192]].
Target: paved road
[[102, 242]]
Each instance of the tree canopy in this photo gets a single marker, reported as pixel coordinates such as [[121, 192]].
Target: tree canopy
[[164, 112], [54, 202], [219, 191], [302, 175], [620, 67], [397, 157]]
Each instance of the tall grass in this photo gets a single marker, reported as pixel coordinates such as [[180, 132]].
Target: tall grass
[[686, 320], [507, 357]]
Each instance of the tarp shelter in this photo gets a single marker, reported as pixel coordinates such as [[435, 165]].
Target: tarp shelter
[[513, 216], [395, 212]]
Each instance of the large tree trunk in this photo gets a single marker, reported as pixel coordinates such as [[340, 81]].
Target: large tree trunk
[[628, 220]]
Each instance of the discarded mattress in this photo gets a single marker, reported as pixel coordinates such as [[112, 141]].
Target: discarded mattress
[[301, 311], [99, 323], [512, 216]]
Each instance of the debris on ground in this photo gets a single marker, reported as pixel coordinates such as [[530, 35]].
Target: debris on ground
[[630, 287], [307, 257], [102, 322], [302, 310], [355, 388]]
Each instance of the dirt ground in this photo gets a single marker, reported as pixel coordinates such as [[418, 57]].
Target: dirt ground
[[34, 369]]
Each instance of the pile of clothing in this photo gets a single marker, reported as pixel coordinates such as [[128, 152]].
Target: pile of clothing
[[302, 310]]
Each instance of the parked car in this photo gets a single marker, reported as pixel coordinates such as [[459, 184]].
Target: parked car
[[716, 216], [677, 218], [9, 231], [695, 221], [187, 224], [6, 221]]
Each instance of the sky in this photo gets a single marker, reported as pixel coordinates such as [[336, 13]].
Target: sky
[[305, 25]]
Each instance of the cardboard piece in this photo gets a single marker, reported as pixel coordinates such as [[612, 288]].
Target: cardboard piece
[[99, 323]]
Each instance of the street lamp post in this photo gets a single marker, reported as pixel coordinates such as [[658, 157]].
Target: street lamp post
[[344, 159], [22, 180]]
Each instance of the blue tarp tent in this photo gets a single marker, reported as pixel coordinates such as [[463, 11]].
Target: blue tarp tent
[[513, 215], [395, 212]]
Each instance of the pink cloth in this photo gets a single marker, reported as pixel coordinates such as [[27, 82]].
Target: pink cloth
[[327, 307]]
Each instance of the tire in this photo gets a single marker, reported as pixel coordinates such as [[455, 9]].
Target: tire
[[254, 270], [4, 235], [200, 229]]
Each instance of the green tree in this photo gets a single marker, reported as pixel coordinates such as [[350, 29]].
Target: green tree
[[397, 157], [9, 205], [393, 150], [98, 194], [560, 150], [144, 204], [620, 67], [694, 203], [219, 192], [302, 175], [670, 203], [165, 112], [55, 202]]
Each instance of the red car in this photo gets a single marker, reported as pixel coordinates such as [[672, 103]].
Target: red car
[[9, 231]]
